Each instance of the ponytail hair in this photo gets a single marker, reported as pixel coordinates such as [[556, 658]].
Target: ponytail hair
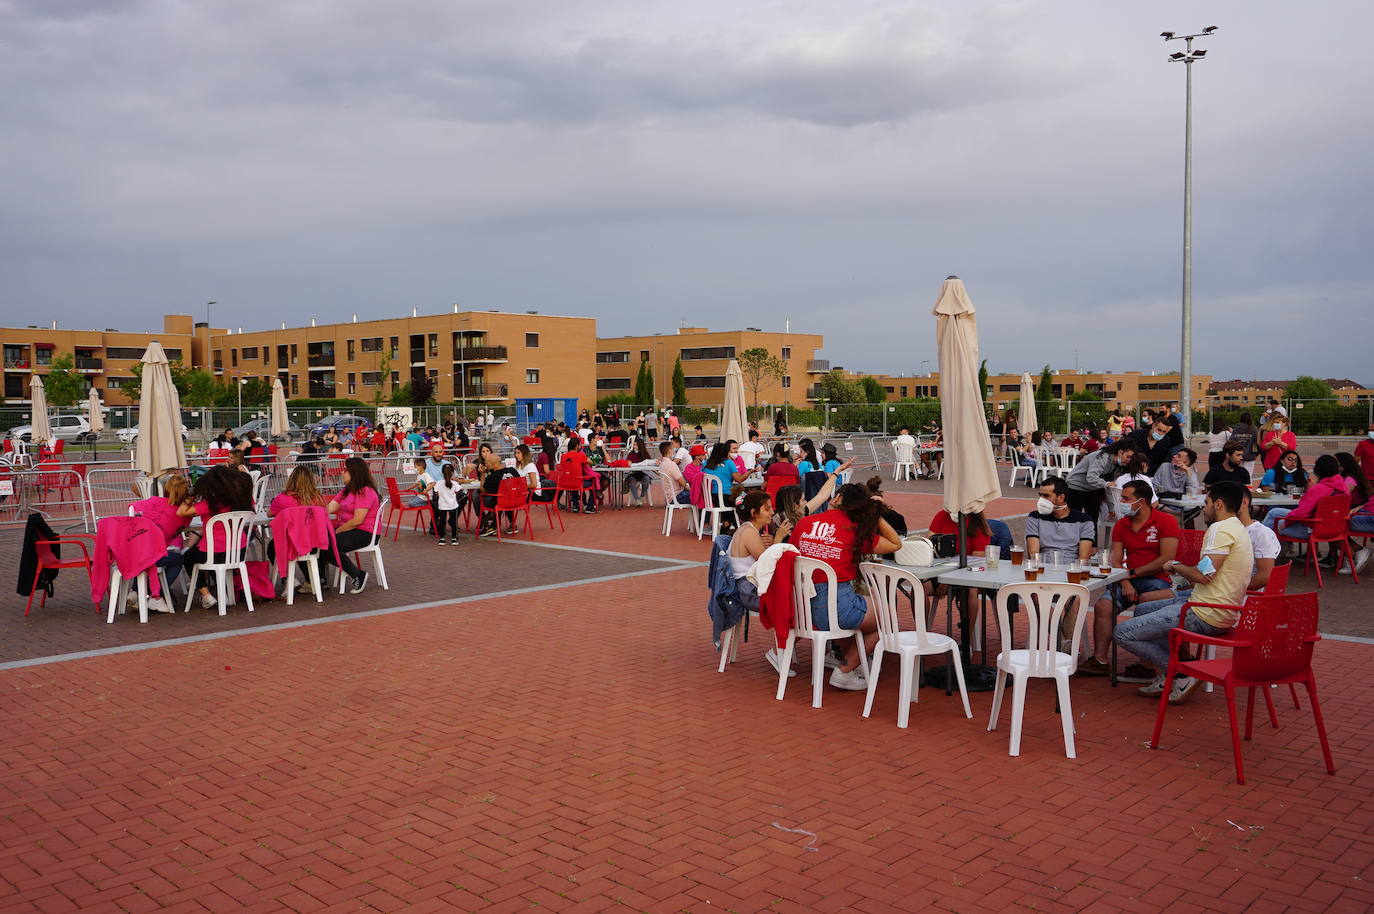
[[858, 505], [448, 475]]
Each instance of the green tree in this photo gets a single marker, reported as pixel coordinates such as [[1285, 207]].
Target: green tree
[[873, 391], [1044, 391], [401, 395], [759, 367], [679, 384], [983, 379], [644, 385], [384, 368], [257, 392], [198, 387], [1303, 387], [65, 386], [836, 389], [133, 387], [421, 390]]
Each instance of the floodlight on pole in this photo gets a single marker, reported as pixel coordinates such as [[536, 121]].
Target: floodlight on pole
[[1185, 381]]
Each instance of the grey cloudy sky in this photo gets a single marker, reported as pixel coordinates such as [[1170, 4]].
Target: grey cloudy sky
[[718, 162]]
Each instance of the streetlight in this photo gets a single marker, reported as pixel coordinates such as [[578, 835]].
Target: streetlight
[[1187, 56], [242, 381]]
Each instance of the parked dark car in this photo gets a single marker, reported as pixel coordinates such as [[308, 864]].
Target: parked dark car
[[344, 425]]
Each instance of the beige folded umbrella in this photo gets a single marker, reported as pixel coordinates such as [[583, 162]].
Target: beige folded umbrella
[[38, 397], [970, 472], [95, 412], [159, 444], [1026, 419], [280, 423], [734, 424]]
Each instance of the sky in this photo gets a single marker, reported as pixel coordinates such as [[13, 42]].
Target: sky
[[718, 163]]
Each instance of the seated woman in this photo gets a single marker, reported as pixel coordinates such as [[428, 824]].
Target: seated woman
[[789, 505], [637, 483], [725, 471], [171, 512], [220, 491], [529, 471], [356, 516], [300, 491], [840, 537], [1286, 475], [781, 471], [808, 462], [979, 533], [748, 544], [893, 518], [1329, 481]]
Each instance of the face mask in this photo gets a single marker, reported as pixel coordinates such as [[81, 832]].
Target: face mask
[[1278, 426], [1044, 506], [1371, 435], [1155, 436], [1128, 510]]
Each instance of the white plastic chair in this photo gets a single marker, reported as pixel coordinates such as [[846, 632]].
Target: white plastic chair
[[884, 590], [311, 563], [1044, 605], [903, 461], [713, 494], [671, 504], [229, 530], [373, 548], [1017, 468], [802, 571], [119, 592]]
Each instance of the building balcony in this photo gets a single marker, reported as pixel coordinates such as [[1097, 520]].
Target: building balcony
[[479, 390], [321, 391], [17, 365], [821, 365], [89, 364], [813, 392], [467, 354], [320, 359], [219, 367]]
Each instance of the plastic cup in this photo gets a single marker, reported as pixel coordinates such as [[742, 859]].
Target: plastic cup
[[994, 555], [1018, 555], [1075, 573], [1031, 572]]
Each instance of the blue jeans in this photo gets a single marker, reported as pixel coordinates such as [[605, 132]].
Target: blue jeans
[[1147, 635], [171, 566], [1271, 519], [1362, 523], [684, 497], [850, 608]]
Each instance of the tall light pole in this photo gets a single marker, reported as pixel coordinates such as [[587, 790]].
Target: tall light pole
[[1185, 380]]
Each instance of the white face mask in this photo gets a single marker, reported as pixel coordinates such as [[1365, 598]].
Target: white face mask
[[1371, 434], [1128, 510], [1278, 426], [1044, 506]]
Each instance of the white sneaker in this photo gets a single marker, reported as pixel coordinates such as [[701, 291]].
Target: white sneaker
[[854, 680], [775, 660], [159, 605], [131, 601], [1362, 558], [207, 601], [1183, 687], [1154, 689], [831, 661]]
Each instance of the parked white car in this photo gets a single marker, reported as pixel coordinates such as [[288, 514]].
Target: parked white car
[[130, 435], [70, 428]]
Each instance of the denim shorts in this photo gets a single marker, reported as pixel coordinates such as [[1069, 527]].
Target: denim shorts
[[850, 608]]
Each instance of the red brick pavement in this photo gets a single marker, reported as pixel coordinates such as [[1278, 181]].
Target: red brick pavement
[[577, 751]]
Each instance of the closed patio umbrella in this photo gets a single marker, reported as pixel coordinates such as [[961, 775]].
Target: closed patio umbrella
[[95, 415], [280, 424], [159, 445], [734, 424], [970, 472], [1026, 419], [38, 397]]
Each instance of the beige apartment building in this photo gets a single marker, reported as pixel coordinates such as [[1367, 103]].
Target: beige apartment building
[[483, 357], [1125, 389], [705, 356], [1258, 393], [106, 357]]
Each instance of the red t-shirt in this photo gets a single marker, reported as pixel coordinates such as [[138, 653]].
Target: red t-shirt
[[829, 537], [978, 541], [1142, 546], [1364, 453]]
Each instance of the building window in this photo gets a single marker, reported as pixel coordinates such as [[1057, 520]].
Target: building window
[[605, 358], [395, 379], [531, 375], [903, 390], [293, 361], [787, 352], [786, 381], [372, 379], [295, 384], [644, 355], [1008, 388], [234, 358], [250, 352], [116, 383], [395, 346], [706, 381], [434, 344], [351, 354], [266, 354], [42, 357], [709, 352], [352, 378], [372, 344], [124, 352], [612, 383], [531, 341]]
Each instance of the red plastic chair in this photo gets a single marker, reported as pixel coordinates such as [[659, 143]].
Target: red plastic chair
[[1330, 523], [1277, 583], [1270, 645], [513, 495], [773, 484], [399, 509], [48, 559], [1189, 550], [59, 447], [569, 479]]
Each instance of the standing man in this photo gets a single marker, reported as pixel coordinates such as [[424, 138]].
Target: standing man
[[1089, 478], [750, 451]]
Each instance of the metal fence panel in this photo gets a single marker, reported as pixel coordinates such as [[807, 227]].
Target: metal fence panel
[[57, 493]]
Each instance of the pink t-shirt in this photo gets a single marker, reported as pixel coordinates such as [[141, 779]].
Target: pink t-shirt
[[164, 515], [364, 498]]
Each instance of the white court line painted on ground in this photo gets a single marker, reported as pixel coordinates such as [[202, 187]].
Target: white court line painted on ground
[[344, 617]]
